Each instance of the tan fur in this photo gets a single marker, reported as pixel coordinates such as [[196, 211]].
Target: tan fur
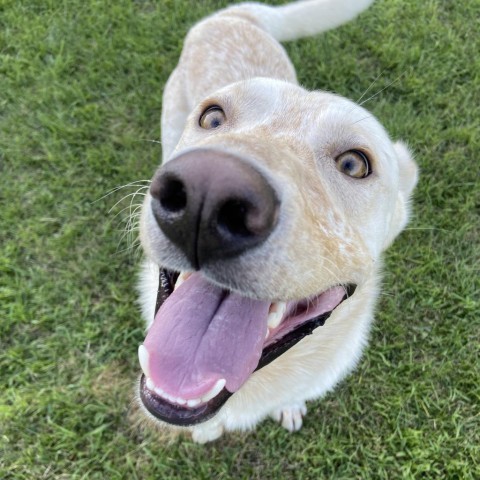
[[333, 228]]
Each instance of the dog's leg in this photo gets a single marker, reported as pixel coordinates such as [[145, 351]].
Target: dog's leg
[[175, 110], [204, 434], [291, 416]]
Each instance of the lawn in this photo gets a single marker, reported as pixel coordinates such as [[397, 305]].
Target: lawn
[[80, 101]]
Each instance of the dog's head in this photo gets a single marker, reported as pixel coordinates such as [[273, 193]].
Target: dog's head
[[274, 208]]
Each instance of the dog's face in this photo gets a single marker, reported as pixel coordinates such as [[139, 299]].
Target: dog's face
[[281, 200]]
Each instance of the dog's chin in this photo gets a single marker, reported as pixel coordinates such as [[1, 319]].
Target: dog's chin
[[287, 324]]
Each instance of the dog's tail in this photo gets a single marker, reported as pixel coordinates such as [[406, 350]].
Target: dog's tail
[[302, 19]]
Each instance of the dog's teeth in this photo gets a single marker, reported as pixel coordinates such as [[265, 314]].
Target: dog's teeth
[[276, 312], [165, 395], [144, 358], [160, 392], [150, 384], [170, 398], [181, 278], [181, 401], [274, 320], [194, 402], [216, 389], [278, 307]]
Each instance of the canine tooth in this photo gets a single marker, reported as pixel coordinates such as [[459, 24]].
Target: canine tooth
[[278, 307], [181, 278], [274, 320], [144, 358], [194, 402], [150, 384], [215, 390], [276, 312]]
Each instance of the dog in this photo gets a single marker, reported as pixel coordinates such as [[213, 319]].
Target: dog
[[264, 228]]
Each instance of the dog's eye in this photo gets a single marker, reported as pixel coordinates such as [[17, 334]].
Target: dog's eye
[[354, 164], [212, 117]]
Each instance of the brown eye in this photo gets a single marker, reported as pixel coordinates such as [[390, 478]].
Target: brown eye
[[212, 117], [354, 164]]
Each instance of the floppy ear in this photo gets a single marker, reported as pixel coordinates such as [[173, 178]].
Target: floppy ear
[[408, 177]]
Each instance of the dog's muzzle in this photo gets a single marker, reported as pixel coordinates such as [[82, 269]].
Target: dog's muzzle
[[206, 340]]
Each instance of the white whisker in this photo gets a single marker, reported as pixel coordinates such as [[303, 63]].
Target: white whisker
[[131, 184], [131, 219], [384, 88], [371, 85], [129, 195], [364, 118], [128, 207]]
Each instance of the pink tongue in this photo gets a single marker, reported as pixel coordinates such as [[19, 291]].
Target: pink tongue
[[202, 334]]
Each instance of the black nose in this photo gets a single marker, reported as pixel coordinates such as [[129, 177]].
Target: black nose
[[213, 205]]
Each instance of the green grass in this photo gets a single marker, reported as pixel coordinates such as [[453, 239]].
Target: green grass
[[80, 96]]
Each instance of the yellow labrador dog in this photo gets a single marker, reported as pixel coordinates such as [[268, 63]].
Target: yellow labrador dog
[[263, 229]]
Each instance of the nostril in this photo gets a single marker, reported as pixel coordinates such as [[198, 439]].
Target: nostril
[[172, 195], [233, 218]]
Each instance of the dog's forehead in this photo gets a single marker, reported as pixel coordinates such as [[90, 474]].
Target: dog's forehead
[[266, 101], [285, 107]]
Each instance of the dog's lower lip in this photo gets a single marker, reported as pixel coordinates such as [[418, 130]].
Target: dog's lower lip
[[177, 414], [186, 416]]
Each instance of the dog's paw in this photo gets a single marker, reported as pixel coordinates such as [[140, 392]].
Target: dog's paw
[[291, 416], [207, 434]]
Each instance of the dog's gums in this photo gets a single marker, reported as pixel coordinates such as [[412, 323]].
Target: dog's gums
[[279, 327]]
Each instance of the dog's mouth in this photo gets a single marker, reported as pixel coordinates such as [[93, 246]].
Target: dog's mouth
[[206, 341]]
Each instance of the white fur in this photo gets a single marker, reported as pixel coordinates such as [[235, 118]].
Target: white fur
[[331, 229], [304, 19]]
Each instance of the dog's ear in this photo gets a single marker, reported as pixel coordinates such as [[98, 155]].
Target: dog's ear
[[408, 177], [407, 167]]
